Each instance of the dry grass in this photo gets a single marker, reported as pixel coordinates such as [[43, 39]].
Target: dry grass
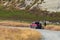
[[24, 24], [53, 27], [19, 34], [13, 23]]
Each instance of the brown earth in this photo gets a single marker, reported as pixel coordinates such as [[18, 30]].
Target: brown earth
[[19, 34]]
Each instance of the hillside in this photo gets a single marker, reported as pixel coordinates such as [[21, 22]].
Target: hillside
[[30, 4], [22, 10]]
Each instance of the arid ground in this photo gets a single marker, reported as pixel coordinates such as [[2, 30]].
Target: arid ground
[[11, 30], [7, 33], [25, 24]]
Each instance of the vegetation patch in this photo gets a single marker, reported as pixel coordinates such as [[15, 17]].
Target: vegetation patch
[[19, 34]]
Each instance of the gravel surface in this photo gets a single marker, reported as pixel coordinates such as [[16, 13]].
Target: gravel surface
[[50, 35]]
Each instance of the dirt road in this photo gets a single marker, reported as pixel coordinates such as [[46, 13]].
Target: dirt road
[[50, 35]]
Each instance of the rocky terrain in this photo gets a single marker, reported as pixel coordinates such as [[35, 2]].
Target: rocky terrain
[[30, 4]]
